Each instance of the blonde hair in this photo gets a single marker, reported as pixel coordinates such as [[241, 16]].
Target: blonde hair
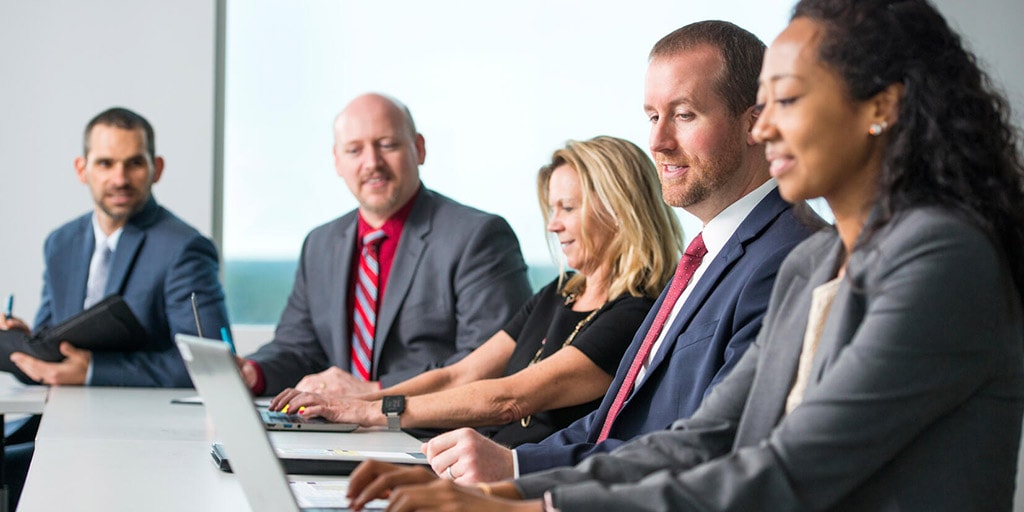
[[621, 193]]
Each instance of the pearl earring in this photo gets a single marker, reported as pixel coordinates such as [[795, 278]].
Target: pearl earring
[[876, 129]]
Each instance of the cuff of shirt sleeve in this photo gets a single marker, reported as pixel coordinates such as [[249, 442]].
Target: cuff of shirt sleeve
[[549, 503], [515, 463], [88, 374], [261, 382]]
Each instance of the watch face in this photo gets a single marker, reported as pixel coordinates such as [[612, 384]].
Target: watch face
[[393, 404]]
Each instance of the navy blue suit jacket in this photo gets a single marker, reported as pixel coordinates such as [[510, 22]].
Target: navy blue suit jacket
[[159, 262], [719, 320]]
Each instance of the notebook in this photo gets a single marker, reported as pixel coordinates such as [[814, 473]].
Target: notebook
[[326, 453], [229, 406]]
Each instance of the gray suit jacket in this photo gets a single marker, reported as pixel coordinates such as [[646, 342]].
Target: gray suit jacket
[[914, 402], [457, 277]]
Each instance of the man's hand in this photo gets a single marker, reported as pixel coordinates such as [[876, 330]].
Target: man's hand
[[247, 370], [71, 371], [336, 383], [13, 324], [468, 457]]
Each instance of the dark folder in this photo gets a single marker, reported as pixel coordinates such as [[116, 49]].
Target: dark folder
[[109, 325], [308, 466], [294, 466]]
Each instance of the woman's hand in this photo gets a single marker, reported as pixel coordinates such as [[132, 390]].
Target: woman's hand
[[375, 479], [340, 410], [448, 496]]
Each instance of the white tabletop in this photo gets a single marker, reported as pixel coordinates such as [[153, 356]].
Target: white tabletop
[[132, 449], [17, 398]]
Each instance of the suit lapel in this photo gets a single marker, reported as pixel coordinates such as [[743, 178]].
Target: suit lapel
[[128, 246], [407, 259], [701, 290], [756, 222], [70, 302], [339, 272], [781, 354], [844, 318], [124, 257]]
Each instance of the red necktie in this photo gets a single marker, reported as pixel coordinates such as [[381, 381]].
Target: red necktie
[[687, 266], [364, 317]]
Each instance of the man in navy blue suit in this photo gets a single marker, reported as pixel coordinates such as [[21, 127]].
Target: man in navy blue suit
[[131, 246], [128, 245], [699, 97]]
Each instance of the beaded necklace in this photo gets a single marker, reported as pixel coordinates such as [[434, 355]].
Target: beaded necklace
[[525, 422]]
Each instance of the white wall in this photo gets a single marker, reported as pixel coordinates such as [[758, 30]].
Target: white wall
[[992, 29], [62, 62]]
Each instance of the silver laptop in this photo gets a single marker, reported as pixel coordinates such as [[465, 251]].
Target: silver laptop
[[277, 420], [229, 405]]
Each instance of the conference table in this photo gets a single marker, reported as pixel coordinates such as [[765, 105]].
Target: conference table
[[18, 399], [132, 449]]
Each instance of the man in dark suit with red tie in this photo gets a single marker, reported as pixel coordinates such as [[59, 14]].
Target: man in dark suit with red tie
[[699, 97]]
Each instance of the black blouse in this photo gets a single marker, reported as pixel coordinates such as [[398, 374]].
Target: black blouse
[[545, 320]]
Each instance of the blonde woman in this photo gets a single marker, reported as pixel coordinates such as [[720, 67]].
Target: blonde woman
[[553, 362]]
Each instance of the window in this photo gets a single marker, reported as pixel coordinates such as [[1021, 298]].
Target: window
[[494, 88]]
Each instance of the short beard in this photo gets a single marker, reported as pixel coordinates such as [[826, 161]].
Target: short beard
[[119, 217], [694, 189]]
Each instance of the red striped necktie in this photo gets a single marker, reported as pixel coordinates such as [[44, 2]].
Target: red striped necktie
[[364, 318], [687, 266]]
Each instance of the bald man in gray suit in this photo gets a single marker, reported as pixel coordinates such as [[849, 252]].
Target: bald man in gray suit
[[450, 275]]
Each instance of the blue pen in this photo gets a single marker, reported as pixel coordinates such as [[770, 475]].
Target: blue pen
[[226, 336], [10, 305]]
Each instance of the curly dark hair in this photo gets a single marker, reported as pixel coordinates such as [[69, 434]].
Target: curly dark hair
[[954, 145]]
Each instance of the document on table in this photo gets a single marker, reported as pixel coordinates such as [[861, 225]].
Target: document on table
[[326, 494]]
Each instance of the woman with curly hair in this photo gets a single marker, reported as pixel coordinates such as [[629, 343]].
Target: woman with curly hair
[[889, 372]]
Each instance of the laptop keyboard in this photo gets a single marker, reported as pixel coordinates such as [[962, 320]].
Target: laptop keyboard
[[283, 417]]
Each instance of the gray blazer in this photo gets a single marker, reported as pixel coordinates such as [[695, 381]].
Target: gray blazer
[[457, 277], [914, 401]]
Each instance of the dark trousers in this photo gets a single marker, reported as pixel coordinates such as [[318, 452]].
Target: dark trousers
[[18, 449]]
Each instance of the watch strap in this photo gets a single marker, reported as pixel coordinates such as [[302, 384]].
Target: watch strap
[[394, 421]]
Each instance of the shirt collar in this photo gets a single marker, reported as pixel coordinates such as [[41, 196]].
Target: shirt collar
[[102, 238], [393, 226], [720, 229]]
